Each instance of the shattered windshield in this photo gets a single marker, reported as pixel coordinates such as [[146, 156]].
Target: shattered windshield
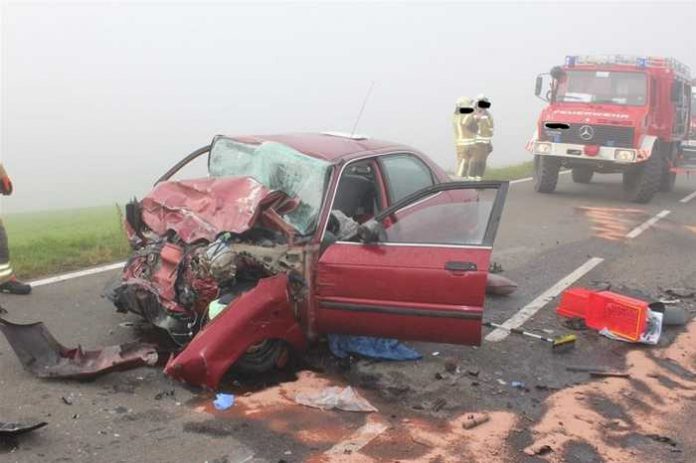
[[278, 167], [622, 88]]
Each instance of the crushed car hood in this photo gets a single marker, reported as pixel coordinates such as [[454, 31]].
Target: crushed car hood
[[200, 209]]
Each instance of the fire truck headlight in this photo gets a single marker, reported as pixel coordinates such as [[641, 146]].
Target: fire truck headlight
[[625, 155], [542, 147]]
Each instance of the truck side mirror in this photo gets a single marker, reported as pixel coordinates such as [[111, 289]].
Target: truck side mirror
[[676, 92], [539, 84]]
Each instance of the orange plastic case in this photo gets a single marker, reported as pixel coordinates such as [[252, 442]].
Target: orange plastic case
[[622, 315]]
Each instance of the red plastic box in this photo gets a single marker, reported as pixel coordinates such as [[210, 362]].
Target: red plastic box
[[622, 315]]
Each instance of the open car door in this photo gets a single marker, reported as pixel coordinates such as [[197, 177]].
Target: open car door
[[424, 275]]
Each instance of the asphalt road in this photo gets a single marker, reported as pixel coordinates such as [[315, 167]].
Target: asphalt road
[[139, 415]]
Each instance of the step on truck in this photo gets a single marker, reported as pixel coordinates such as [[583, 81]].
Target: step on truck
[[613, 114]]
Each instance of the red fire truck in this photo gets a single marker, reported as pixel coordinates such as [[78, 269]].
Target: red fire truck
[[613, 114]]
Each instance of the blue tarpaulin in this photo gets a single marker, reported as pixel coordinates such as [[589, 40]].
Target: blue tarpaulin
[[342, 345]]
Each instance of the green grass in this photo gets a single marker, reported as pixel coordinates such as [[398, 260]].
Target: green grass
[[510, 172], [44, 243]]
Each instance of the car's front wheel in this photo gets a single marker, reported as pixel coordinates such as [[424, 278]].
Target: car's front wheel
[[263, 357]]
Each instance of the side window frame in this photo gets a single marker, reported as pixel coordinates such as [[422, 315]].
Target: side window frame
[[384, 172]]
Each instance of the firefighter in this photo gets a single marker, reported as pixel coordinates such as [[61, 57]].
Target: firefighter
[[484, 135], [464, 135], [8, 282]]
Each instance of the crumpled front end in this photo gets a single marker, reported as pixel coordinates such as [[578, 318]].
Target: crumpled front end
[[212, 243]]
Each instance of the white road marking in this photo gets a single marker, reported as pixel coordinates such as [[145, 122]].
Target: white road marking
[[78, 274], [359, 439], [647, 224], [528, 311], [688, 198], [529, 179]]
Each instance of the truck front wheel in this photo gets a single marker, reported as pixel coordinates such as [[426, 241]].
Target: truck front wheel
[[642, 182], [582, 174], [546, 173]]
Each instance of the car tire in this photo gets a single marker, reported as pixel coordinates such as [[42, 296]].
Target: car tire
[[546, 171], [643, 182], [582, 174], [263, 357]]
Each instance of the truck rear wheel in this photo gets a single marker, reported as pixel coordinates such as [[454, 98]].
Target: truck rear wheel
[[582, 174], [642, 182], [546, 173]]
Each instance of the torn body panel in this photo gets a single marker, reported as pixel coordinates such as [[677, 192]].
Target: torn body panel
[[201, 209], [40, 353], [265, 312]]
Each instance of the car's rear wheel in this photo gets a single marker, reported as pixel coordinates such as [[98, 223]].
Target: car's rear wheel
[[582, 174], [546, 171]]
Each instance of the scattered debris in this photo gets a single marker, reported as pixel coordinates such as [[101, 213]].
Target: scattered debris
[[499, 285], [67, 400], [502, 382], [439, 404], [161, 395], [475, 419], [16, 429], [346, 399], [518, 385], [376, 348], [495, 267], [538, 451], [575, 324], [473, 373], [662, 439], [598, 372], [609, 374], [223, 401], [435, 354], [558, 344], [674, 316], [682, 293], [41, 354]]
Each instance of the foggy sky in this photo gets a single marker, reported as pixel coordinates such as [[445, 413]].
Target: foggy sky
[[99, 100]]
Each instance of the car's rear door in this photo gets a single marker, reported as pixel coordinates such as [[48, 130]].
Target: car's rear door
[[425, 279]]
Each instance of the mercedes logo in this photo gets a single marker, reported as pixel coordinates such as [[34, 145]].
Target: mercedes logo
[[586, 132]]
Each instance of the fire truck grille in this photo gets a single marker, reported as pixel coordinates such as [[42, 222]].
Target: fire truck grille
[[583, 134]]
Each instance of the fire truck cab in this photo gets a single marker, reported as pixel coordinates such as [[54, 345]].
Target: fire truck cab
[[613, 114]]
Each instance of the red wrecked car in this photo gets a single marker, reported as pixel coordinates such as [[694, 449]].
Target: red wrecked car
[[291, 237]]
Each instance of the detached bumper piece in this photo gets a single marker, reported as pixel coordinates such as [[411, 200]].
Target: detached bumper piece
[[40, 353], [10, 430]]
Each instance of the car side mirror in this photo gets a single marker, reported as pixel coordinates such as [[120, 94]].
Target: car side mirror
[[371, 232]]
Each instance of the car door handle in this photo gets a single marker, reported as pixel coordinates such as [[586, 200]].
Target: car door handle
[[456, 266]]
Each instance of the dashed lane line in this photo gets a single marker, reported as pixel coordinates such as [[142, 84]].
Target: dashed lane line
[[647, 224], [688, 198]]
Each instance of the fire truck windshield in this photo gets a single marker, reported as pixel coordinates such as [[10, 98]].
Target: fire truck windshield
[[620, 88]]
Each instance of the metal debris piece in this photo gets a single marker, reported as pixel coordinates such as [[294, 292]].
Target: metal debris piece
[[609, 374], [16, 429], [223, 401], [475, 419], [40, 353]]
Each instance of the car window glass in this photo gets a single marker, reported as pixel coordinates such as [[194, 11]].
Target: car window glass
[[454, 217], [404, 175]]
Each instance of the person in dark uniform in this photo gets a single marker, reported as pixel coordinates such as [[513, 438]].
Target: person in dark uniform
[[8, 282]]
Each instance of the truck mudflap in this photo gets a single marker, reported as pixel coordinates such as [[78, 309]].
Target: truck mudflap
[[263, 313]]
